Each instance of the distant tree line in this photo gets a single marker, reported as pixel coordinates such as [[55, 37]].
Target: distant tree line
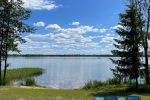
[[12, 17], [61, 55], [134, 35]]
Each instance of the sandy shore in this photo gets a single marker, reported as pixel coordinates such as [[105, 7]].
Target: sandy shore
[[30, 87]]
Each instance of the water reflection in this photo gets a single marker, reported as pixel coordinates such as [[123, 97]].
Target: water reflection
[[66, 72]]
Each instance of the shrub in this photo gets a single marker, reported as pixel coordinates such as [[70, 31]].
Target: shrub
[[93, 84], [98, 84], [113, 81], [30, 82]]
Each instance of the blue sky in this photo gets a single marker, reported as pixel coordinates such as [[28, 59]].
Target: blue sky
[[72, 26]]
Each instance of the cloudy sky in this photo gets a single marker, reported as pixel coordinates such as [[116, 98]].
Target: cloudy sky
[[72, 26]]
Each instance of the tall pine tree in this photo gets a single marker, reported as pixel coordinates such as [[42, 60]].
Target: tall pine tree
[[128, 46]]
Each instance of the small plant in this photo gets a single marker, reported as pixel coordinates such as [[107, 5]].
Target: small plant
[[98, 84], [113, 81], [30, 82], [93, 84]]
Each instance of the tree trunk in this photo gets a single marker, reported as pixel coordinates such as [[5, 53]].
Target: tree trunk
[[137, 84], [5, 68], [146, 50], [6, 48], [1, 51], [147, 79], [0, 62]]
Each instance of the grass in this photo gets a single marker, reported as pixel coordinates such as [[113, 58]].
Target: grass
[[16, 93], [13, 93], [21, 73], [98, 84], [93, 85], [123, 91]]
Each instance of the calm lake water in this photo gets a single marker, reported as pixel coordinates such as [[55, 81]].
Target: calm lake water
[[66, 72]]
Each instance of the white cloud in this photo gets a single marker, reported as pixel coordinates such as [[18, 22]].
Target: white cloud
[[69, 40], [38, 36], [92, 44], [108, 38], [116, 27], [79, 30], [61, 44], [103, 30], [39, 24], [76, 23], [76, 30], [60, 38], [40, 4], [53, 27]]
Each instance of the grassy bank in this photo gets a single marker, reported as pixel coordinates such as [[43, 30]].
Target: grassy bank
[[13, 93], [88, 93], [112, 88], [20, 73], [123, 91]]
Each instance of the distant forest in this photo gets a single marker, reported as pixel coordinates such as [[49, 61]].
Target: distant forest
[[59, 55], [62, 55]]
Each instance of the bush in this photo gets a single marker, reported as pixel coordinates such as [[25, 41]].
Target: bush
[[30, 82], [93, 84], [113, 81], [98, 84]]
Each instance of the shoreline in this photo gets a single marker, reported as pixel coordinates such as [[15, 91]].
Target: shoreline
[[30, 87]]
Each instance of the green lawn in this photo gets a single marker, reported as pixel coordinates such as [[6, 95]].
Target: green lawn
[[123, 91], [13, 93]]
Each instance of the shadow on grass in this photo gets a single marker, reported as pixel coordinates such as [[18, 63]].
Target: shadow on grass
[[111, 93], [124, 92]]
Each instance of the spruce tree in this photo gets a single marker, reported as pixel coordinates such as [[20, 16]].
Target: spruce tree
[[128, 46]]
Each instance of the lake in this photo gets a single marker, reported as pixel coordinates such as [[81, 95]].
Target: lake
[[66, 72]]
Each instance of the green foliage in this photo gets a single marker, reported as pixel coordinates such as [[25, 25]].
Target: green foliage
[[113, 81], [98, 84], [30, 82], [128, 45], [12, 25], [22, 73], [145, 5], [93, 84]]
